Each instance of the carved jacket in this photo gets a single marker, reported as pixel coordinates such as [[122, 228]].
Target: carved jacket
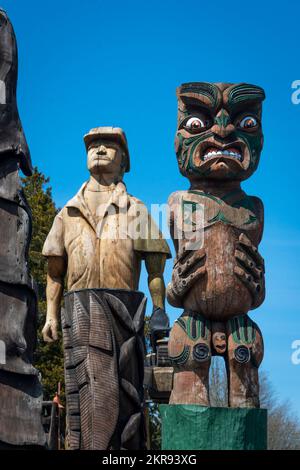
[[107, 252]]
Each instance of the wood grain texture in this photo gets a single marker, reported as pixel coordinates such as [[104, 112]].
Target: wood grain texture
[[218, 274], [104, 368], [20, 389]]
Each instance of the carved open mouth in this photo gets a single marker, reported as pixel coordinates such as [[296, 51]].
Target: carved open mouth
[[231, 152]]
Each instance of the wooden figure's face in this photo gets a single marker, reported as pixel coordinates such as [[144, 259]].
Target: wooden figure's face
[[219, 134], [105, 156]]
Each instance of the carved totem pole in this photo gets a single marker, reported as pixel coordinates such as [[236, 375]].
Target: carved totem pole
[[103, 319], [217, 281], [20, 389], [218, 144]]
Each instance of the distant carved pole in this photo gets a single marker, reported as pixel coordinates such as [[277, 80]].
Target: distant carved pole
[[20, 388]]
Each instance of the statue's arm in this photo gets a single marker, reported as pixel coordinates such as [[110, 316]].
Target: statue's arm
[[259, 210], [189, 265], [55, 285], [159, 323], [155, 265], [251, 267], [172, 298]]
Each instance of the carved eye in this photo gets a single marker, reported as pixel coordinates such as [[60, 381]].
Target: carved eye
[[195, 124], [248, 122]]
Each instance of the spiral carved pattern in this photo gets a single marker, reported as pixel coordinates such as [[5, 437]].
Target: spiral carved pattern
[[201, 352], [242, 354]]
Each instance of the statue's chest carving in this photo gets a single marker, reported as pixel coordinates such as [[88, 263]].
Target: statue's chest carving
[[200, 210]]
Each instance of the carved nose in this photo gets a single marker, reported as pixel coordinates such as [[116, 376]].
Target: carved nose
[[222, 126], [222, 131], [102, 150]]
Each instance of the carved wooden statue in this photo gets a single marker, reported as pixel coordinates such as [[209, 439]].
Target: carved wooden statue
[[219, 279], [20, 389], [103, 319]]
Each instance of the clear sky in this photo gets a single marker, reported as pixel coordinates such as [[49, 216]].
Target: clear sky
[[94, 62]]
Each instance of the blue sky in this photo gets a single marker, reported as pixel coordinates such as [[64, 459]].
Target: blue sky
[[84, 64]]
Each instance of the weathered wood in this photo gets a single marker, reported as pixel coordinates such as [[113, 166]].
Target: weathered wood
[[21, 404], [12, 137], [104, 375], [218, 275], [92, 244], [20, 389]]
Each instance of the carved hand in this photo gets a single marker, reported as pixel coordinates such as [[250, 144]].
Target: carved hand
[[250, 269], [159, 325], [49, 331], [188, 268]]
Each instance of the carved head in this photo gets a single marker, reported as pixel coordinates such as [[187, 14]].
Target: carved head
[[219, 133], [107, 151]]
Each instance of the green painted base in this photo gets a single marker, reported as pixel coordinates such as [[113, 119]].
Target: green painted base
[[194, 427]]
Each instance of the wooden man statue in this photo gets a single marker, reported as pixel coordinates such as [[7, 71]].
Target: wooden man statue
[[94, 242], [219, 276]]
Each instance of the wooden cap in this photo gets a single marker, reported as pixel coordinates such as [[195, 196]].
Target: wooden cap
[[115, 134]]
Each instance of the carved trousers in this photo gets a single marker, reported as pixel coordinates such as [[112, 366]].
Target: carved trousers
[[104, 367]]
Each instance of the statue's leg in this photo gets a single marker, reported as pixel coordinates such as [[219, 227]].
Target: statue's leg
[[190, 352], [104, 368], [245, 353]]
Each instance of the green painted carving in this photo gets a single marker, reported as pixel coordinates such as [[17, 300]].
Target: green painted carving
[[208, 90], [182, 357], [220, 217], [208, 196], [243, 330], [194, 326], [222, 120], [254, 145], [244, 92]]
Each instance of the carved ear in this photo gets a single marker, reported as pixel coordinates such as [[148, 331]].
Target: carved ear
[[123, 163]]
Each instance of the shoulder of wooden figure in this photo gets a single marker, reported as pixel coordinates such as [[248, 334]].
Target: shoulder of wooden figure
[[135, 200], [176, 197], [258, 207]]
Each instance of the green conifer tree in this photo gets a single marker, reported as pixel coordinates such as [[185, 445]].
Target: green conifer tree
[[48, 357]]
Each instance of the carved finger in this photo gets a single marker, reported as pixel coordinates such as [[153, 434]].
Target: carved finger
[[252, 250], [49, 333], [46, 335], [188, 255], [192, 263], [187, 282], [248, 263], [54, 333], [181, 285], [254, 287], [193, 277]]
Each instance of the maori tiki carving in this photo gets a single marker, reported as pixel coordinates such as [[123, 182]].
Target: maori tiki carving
[[219, 276], [104, 312], [20, 389]]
